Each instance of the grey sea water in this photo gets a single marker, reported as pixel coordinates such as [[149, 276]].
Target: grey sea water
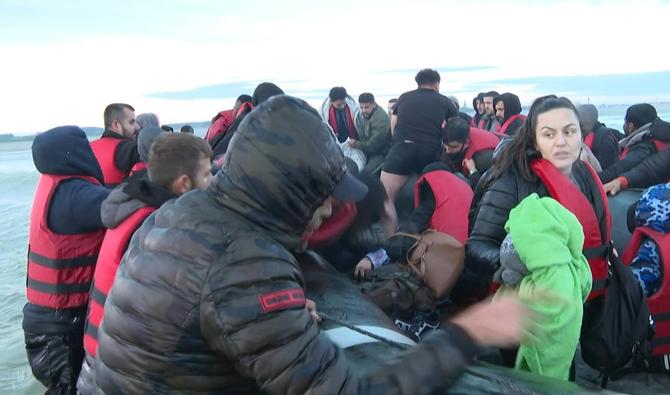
[[18, 179]]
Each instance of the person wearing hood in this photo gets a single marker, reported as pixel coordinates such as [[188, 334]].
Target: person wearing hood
[[541, 259], [222, 121], [508, 113], [148, 119], [601, 140], [65, 234], [488, 121], [209, 297], [116, 149], [646, 135], [478, 106], [177, 163], [343, 114], [263, 91]]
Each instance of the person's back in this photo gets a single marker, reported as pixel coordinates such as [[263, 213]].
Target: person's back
[[208, 297], [64, 238], [421, 114]]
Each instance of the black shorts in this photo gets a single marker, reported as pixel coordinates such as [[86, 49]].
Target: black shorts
[[406, 157]]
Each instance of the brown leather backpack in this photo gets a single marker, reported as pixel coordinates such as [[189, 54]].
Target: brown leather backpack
[[437, 259]]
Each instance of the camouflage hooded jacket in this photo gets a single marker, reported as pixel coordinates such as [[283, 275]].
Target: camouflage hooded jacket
[[193, 308]]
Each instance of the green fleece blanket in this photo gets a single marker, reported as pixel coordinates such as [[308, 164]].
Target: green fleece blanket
[[548, 238]]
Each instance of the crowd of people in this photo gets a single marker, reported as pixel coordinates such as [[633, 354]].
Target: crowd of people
[[166, 262]]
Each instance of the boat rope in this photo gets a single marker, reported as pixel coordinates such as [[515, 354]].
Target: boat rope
[[326, 317]]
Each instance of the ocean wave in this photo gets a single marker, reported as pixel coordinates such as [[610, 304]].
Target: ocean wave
[[10, 180]]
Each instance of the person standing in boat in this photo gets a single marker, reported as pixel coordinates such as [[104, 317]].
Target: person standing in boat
[[542, 158], [508, 113], [65, 235], [209, 297], [416, 126], [116, 149]]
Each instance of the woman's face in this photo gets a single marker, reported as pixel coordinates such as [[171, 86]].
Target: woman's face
[[559, 138]]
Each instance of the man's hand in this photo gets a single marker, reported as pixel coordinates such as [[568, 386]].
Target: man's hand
[[351, 142], [498, 323], [363, 268], [470, 165], [311, 308], [613, 187]]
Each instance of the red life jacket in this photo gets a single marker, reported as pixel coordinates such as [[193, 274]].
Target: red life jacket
[[660, 146], [220, 124], [139, 166], [659, 303], [588, 140], [503, 128], [480, 140], [60, 267], [453, 197], [596, 240], [332, 120], [104, 149], [113, 247], [334, 226]]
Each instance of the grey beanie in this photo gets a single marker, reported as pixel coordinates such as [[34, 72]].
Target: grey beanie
[[512, 270], [147, 119], [588, 116], [147, 137]]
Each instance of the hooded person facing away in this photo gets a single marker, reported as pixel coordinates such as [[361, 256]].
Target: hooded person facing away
[[210, 299]]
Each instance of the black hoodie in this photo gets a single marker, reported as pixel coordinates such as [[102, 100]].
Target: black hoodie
[[512, 107], [75, 205]]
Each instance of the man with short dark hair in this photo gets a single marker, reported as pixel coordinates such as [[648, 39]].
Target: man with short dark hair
[[177, 163], [373, 128], [416, 126], [488, 121], [390, 106], [646, 135], [116, 149], [468, 150], [343, 114]]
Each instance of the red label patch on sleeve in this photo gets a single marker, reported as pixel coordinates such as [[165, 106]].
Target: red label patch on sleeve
[[281, 300]]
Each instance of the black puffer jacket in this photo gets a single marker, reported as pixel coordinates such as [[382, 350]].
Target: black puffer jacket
[[488, 230], [653, 170], [192, 308]]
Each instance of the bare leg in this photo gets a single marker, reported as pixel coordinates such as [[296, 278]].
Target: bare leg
[[392, 183]]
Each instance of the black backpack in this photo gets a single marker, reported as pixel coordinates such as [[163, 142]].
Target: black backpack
[[617, 328]]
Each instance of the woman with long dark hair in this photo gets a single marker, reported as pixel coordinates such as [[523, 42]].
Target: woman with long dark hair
[[542, 158]]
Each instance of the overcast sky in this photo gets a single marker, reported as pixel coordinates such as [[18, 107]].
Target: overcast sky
[[63, 61]]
